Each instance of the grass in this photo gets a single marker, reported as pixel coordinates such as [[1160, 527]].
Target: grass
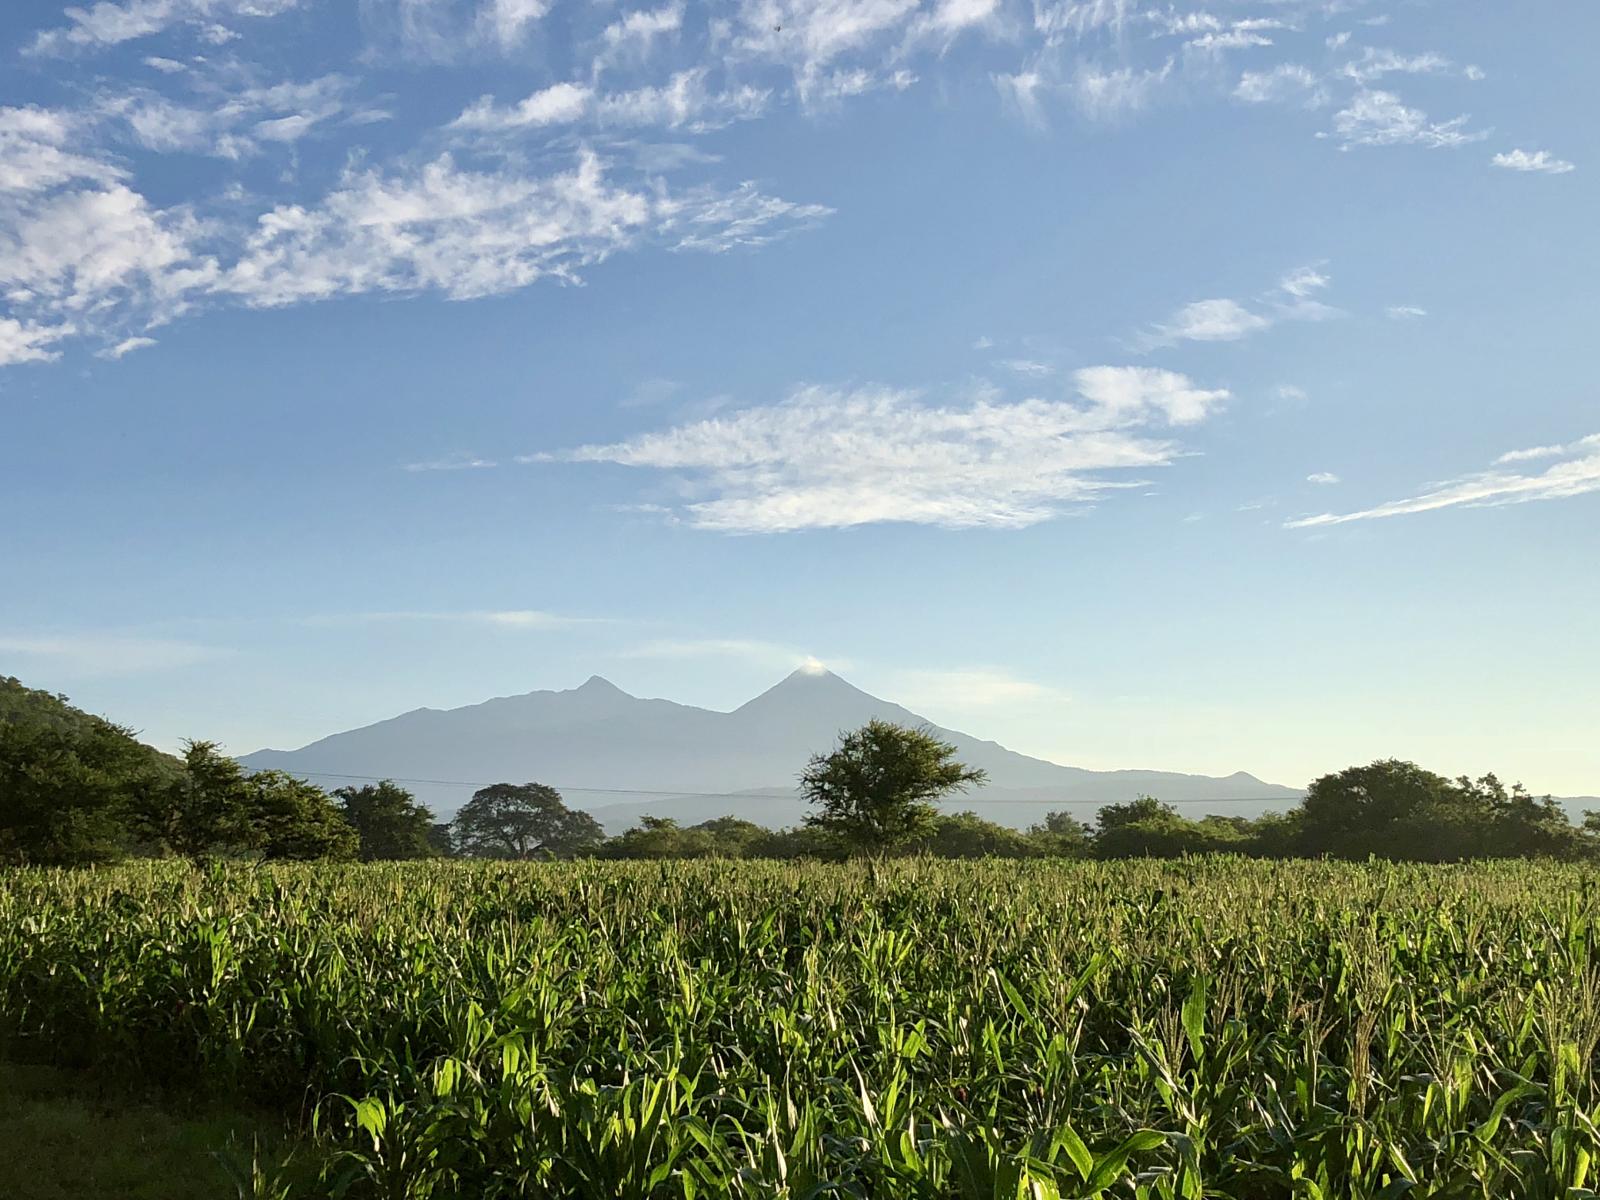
[[65, 1136]]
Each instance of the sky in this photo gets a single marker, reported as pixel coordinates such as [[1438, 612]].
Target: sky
[[1194, 386]]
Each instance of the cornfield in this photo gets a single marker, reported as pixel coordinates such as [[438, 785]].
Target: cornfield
[[1196, 1028]]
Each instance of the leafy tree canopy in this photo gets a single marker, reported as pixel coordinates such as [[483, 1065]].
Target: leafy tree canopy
[[527, 820], [389, 821]]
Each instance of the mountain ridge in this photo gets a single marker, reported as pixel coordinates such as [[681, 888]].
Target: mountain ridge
[[597, 742]]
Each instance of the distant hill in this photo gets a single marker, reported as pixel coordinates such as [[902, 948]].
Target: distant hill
[[620, 756]]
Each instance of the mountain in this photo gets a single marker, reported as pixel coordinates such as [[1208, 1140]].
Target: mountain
[[620, 756]]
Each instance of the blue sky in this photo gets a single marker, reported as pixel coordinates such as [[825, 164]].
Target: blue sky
[[1197, 386]]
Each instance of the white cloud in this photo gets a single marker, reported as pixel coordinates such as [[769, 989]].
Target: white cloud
[[513, 619], [231, 125], [508, 21], [1232, 39], [963, 690], [558, 104], [808, 35], [1281, 84], [827, 458], [1023, 92], [772, 655], [108, 23], [1577, 474], [1029, 367], [1535, 160], [1106, 94], [683, 102], [469, 233], [1581, 446], [1377, 118], [717, 222], [1322, 477], [97, 654], [1223, 320], [633, 37], [21, 343], [453, 462], [35, 152], [1219, 320], [127, 346], [1404, 312], [1374, 64], [78, 251], [1302, 282]]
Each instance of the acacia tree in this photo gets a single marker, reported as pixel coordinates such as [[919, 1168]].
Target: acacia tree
[[528, 820], [876, 791]]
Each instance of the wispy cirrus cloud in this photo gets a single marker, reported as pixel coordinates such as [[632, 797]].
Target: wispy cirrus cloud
[[89, 256], [831, 458], [1576, 474], [1378, 118], [686, 101], [100, 654], [1284, 83], [108, 23], [460, 461], [971, 688], [774, 655], [510, 619]]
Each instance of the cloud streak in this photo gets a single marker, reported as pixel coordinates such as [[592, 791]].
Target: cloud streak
[[1577, 474], [831, 458]]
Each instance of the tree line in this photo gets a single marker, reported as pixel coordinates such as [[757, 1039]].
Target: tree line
[[76, 789]]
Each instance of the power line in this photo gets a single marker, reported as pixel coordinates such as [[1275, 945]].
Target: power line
[[673, 793]]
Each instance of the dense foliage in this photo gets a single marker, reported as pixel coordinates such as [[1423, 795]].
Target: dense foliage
[[883, 1029]]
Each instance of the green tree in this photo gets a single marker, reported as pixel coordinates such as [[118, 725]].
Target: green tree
[[70, 782], [529, 820], [204, 811], [658, 837], [802, 842], [876, 791], [1061, 835], [214, 808], [967, 835], [292, 820], [1389, 808], [389, 821], [67, 793]]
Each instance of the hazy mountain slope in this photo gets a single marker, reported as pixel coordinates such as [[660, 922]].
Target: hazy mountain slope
[[642, 755]]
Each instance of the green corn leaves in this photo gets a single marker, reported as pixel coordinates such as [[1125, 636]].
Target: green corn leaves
[[1186, 1030]]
